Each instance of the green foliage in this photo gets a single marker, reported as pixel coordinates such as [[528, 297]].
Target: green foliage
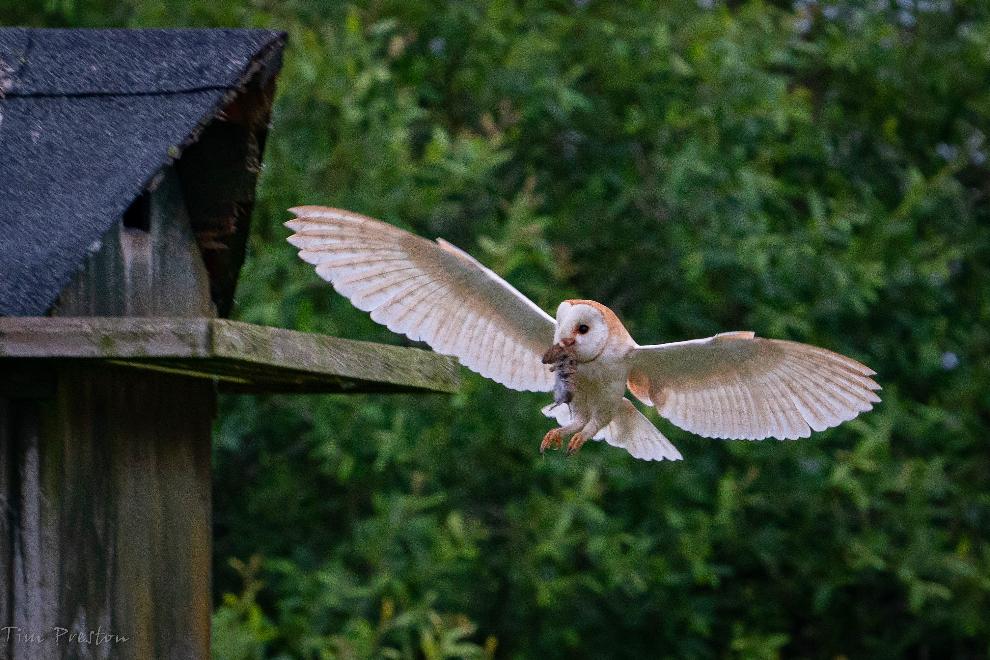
[[240, 629], [816, 172]]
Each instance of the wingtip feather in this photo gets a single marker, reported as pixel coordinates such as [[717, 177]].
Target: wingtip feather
[[310, 209], [295, 224]]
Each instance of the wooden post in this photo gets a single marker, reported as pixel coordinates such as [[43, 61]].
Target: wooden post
[[106, 405], [106, 412], [107, 489], [105, 472]]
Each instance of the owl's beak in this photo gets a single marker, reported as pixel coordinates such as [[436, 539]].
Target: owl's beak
[[558, 350]]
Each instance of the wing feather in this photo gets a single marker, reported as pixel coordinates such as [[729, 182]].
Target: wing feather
[[429, 291], [737, 385]]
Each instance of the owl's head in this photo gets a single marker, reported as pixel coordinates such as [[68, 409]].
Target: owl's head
[[583, 329]]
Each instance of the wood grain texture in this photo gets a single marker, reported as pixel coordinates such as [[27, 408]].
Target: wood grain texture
[[7, 519], [106, 470], [106, 493], [137, 272], [243, 357]]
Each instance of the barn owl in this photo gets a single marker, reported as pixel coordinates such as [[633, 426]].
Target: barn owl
[[734, 385]]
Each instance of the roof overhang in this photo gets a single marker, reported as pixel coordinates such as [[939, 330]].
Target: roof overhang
[[88, 121]]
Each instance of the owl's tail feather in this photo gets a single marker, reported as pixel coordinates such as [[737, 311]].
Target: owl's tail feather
[[630, 430]]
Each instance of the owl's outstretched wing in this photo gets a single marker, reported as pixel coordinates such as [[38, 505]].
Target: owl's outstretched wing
[[429, 291], [736, 385]]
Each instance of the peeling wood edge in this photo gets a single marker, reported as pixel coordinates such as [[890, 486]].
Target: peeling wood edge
[[241, 356]]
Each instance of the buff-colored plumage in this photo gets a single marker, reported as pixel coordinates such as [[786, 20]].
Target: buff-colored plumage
[[428, 291], [733, 385], [740, 386]]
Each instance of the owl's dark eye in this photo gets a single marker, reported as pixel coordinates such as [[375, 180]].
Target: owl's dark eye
[[582, 329]]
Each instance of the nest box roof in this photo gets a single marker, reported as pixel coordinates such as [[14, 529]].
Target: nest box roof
[[88, 118]]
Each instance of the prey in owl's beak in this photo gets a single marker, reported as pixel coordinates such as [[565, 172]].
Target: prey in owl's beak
[[560, 357], [558, 351]]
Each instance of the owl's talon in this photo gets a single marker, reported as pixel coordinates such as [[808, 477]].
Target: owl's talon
[[577, 441], [551, 439]]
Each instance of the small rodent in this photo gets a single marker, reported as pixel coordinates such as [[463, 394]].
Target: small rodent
[[563, 386]]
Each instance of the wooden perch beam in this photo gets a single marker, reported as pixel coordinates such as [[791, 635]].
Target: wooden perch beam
[[243, 357]]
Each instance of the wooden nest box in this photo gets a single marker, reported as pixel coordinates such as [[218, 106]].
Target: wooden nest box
[[128, 161]]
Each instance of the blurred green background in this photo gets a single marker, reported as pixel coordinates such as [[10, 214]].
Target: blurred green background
[[809, 170]]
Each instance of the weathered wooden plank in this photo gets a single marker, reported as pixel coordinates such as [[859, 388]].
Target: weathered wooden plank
[[106, 520], [103, 337], [360, 362], [243, 357]]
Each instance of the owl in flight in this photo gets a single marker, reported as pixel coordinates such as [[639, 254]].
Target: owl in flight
[[734, 385]]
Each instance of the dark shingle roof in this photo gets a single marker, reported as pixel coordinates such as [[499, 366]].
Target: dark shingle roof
[[87, 118]]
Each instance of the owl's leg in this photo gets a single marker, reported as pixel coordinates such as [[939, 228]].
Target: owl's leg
[[577, 441], [554, 438], [551, 439], [587, 431]]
